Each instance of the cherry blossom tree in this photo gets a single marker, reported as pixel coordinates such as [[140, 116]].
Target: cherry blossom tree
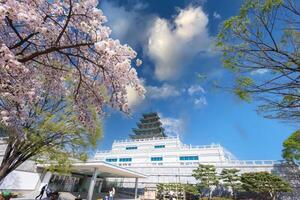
[[59, 71]]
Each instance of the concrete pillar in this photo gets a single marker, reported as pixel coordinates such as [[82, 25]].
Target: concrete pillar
[[136, 188], [92, 185], [45, 178]]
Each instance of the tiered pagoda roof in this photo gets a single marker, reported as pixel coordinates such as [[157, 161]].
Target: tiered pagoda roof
[[149, 126]]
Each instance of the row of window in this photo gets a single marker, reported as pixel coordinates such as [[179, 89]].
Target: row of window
[[155, 147], [125, 159], [188, 158], [156, 158], [131, 148], [111, 160], [182, 158], [159, 146]]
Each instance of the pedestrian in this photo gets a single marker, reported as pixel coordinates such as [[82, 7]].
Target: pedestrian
[[40, 196], [112, 192]]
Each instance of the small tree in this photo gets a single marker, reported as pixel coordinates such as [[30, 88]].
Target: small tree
[[291, 151], [207, 176], [231, 180], [261, 46], [264, 183]]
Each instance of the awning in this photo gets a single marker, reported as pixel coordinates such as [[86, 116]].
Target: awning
[[105, 169]]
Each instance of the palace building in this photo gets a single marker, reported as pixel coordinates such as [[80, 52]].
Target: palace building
[[136, 165], [166, 159]]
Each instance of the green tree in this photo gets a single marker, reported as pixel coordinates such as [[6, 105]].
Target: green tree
[[207, 176], [261, 45], [291, 151], [264, 183], [231, 180], [53, 137], [191, 190]]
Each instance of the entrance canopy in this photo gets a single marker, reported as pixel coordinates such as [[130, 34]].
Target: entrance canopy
[[104, 169]]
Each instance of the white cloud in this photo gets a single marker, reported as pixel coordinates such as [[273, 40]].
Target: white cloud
[[171, 46], [259, 71], [173, 126], [134, 99], [216, 15], [200, 102], [163, 92], [195, 89]]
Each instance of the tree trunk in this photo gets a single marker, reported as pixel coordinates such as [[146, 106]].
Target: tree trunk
[[273, 196], [233, 194], [8, 165], [13, 157], [3, 171], [210, 194]]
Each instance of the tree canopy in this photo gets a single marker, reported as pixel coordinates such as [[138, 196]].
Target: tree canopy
[[207, 177], [291, 148], [264, 183], [261, 45], [59, 70], [231, 180]]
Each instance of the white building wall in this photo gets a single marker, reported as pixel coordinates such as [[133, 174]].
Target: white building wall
[[171, 169]]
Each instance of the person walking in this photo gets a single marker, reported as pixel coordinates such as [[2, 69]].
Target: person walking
[[40, 196], [112, 192]]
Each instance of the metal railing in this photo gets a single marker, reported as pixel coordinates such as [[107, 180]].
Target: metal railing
[[181, 147], [146, 139], [237, 163]]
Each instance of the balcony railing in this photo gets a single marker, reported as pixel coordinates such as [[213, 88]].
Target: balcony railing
[[232, 163], [181, 147], [146, 139]]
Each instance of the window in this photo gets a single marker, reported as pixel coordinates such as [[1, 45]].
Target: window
[[156, 158], [159, 146], [111, 159], [131, 148], [188, 158], [125, 159]]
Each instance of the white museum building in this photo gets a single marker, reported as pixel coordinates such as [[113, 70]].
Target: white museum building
[[149, 157], [166, 159]]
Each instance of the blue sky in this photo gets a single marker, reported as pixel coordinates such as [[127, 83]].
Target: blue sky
[[174, 38]]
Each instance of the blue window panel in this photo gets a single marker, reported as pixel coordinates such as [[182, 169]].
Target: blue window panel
[[125, 159], [131, 148], [189, 158], [156, 158], [111, 159], [159, 146]]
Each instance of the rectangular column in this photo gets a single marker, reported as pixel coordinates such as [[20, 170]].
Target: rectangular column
[[92, 185], [136, 189]]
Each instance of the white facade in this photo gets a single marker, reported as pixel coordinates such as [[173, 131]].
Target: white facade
[[168, 160]]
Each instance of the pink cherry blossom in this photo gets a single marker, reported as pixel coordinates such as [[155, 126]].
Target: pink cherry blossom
[[61, 49]]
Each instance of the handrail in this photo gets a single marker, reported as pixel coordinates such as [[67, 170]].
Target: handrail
[[243, 163], [182, 147], [146, 139]]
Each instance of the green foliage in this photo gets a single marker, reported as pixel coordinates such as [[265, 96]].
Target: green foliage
[[191, 189], [231, 180], [164, 189], [244, 81], [264, 183], [207, 177], [242, 94], [260, 40], [56, 137], [291, 151]]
